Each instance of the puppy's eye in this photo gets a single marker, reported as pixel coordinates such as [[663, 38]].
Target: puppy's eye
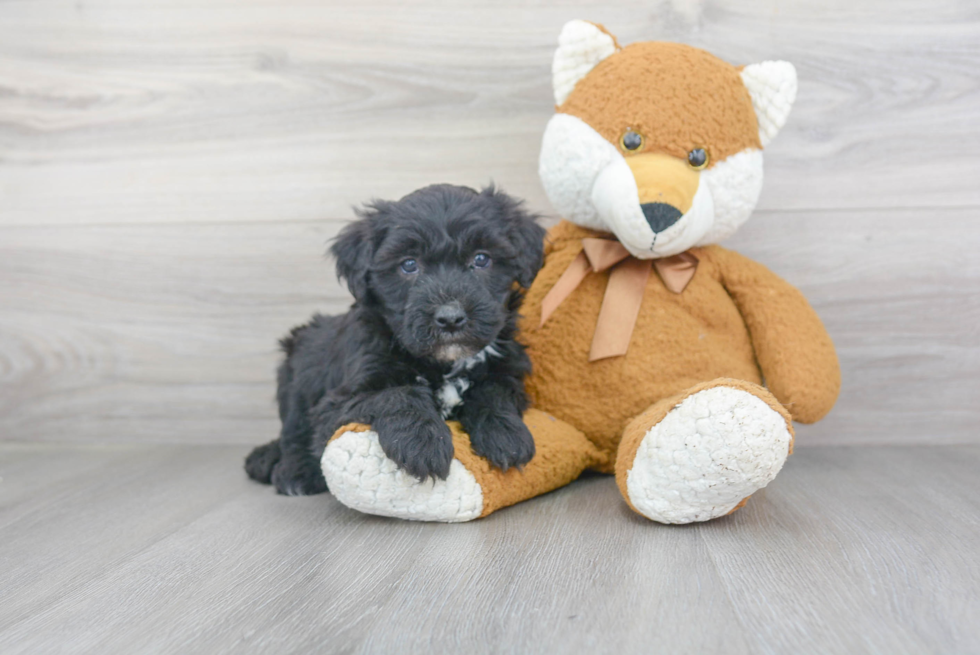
[[481, 260], [698, 158], [410, 267], [631, 140]]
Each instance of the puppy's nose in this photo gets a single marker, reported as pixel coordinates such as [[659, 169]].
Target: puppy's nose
[[450, 317], [660, 215]]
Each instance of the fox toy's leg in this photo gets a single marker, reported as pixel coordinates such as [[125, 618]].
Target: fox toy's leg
[[701, 454], [361, 477]]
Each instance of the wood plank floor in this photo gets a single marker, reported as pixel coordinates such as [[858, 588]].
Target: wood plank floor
[[168, 548]]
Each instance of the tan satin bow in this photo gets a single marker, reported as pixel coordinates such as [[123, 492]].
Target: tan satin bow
[[624, 291]]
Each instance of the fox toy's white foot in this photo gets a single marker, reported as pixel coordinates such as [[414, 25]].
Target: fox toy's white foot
[[360, 476], [701, 457]]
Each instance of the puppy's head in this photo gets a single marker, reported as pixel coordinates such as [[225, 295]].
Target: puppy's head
[[440, 266]]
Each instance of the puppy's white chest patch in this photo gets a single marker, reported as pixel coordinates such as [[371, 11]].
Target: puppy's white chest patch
[[450, 395]]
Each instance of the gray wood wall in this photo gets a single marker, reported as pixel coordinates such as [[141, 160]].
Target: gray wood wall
[[170, 174]]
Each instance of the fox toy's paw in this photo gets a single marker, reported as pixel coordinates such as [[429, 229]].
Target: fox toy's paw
[[700, 455], [363, 478]]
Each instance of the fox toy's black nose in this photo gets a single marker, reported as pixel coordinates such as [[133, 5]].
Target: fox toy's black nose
[[450, 317], [660, 215]]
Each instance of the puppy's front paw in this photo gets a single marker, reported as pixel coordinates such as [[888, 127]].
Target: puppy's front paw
[[420, 446], [298, 477], [504, 441]]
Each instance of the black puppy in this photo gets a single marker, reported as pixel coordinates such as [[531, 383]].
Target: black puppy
[[436, 280]]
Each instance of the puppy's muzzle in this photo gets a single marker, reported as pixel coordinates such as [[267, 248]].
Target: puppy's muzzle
[[450, 318]]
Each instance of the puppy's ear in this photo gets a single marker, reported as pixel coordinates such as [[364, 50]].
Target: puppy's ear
[[523, 232], [354, 247]]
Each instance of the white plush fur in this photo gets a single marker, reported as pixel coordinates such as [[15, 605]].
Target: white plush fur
[[362, 478], [588, 182], [572, 155], [616, 200], [715, 448], [581, 45], [772, 85], [735, 184]]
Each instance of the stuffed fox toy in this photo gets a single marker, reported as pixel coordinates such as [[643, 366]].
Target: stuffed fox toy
[[658, 356]]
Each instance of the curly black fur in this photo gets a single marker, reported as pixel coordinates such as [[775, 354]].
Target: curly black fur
[[384, 362]]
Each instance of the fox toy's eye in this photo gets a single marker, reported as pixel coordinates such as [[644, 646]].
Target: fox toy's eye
[[410, 267], [698, 158], [631, 140], [481, 260]]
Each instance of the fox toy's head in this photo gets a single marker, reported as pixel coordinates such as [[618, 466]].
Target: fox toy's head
[[659, 143]]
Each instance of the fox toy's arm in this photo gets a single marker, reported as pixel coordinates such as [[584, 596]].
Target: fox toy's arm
[[792, 346]]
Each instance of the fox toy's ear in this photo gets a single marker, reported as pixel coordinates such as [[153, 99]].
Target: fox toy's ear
[[772, 85], [581, 46]]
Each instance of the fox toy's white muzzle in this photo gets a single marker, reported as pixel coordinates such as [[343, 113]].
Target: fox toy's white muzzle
[[670, 209], [650, 234]]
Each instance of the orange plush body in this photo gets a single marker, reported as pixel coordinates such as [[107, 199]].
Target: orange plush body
[[733, 317], [659, 356]]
